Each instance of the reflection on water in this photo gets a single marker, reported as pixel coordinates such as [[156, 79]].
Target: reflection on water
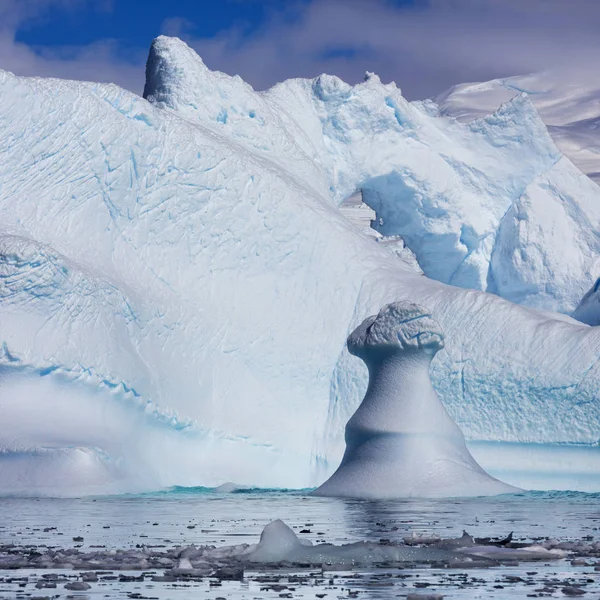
[[200, 516]]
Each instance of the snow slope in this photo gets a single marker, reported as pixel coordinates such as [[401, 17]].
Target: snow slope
[[178, 283], [569, 104]]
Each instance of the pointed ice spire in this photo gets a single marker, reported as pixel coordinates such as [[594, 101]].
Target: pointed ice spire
[[172, 70]]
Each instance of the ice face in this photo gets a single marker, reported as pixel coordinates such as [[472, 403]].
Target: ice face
[[178, 284], [401, 441], [588, 310]]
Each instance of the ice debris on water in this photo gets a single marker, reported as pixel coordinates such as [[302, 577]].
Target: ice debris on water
[[279, 545]]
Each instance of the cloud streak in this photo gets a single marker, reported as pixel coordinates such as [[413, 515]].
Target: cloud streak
[[99, 61]]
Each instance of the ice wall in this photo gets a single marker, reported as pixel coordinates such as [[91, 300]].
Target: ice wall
[[588, 310]]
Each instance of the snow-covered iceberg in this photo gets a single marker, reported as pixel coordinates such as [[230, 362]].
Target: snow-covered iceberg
[[178, 282], [490, 205], [401, 442]]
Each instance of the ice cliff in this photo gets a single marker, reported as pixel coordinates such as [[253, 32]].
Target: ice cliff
[[177, 282], [588, 310]]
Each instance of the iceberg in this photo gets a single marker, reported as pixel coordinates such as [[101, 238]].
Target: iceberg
[[478, 203], [178, 282], [401, 442]]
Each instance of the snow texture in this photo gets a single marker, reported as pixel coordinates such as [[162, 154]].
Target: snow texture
[[177, 282], [401, 442]]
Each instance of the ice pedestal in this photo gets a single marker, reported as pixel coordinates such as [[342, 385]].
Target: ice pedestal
[[401, 442]]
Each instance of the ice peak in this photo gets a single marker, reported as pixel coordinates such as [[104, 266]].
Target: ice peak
[[518, 123], [519, 110], [369, 76], [173, 70], [177, 78], [171, 66], [329, 87]]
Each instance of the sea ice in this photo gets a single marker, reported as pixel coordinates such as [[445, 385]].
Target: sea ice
[[278, 545]]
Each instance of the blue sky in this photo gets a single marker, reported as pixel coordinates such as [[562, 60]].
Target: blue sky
[[423, 45], [134, 23]]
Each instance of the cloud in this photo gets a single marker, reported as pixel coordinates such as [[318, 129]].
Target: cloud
[[177, 26], [99, 61], [425, 46]]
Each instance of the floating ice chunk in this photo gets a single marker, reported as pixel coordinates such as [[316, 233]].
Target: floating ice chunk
[[77, 586], [526, 553], [278, 543], [401, 441], [230, 487]]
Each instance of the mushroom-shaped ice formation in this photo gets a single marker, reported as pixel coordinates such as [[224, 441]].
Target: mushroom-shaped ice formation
[[401, 442]]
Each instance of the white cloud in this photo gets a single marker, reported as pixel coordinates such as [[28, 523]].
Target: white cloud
[[99, 61], [424, 45]]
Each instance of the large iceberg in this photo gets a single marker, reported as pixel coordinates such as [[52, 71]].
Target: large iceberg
[[178, 282], [491, 205]]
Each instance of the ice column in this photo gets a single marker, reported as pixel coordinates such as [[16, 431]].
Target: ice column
[[401, 442]]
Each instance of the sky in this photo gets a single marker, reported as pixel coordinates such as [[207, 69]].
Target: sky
[[425, 46]]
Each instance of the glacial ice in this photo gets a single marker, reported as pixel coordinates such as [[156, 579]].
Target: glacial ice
[[566, 100], [460, 195], [401, 442], [588, 310], [178, 282]]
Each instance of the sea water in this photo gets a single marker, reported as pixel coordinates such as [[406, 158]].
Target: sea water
[[180, 517]]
